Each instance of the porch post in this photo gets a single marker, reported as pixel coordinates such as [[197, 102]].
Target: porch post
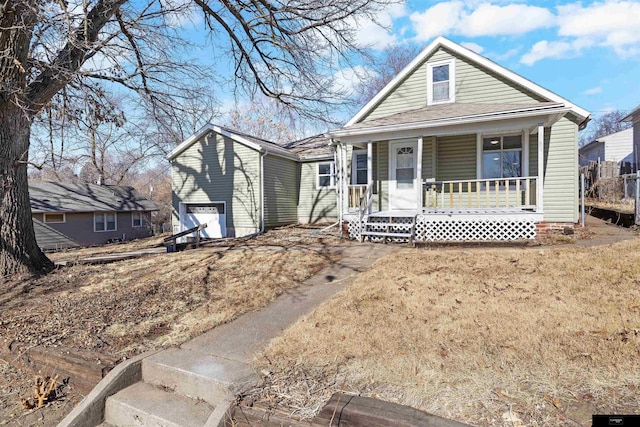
[[370, 166], [344, 179], [540, 180], [419, 173]]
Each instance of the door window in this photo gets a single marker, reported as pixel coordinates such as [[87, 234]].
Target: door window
[[404, 167]]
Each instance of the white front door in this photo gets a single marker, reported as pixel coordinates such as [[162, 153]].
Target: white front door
[[212, 214], [403, 181]]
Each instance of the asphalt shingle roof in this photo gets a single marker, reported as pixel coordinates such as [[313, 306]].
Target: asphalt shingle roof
[[62, 197]]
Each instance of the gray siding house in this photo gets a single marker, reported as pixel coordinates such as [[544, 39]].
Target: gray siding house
[[456, 147], [634, 118], [616, 147], [68, 215]]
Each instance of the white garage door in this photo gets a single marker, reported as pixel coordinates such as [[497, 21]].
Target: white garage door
[[212, 214]]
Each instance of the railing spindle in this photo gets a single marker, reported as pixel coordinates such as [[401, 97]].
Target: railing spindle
[[497, 193], [518, 195]]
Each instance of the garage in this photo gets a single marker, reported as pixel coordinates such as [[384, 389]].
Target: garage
[[212, 214]]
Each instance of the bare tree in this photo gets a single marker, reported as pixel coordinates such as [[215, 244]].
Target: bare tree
[[605, 124], [280, 48], [386, 66]]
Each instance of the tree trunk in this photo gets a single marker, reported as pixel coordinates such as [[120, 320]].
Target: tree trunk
[[19, 252]]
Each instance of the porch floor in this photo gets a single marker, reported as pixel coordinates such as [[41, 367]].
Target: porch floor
[[448, 211]]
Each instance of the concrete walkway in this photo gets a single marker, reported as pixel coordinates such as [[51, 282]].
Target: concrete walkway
[[203, 375]]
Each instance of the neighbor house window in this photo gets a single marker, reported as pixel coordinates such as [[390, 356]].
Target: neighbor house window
[[136, 219], [441, 82], [325, 175], [359, 168], [52, 218], [104, 221], [502, 156]]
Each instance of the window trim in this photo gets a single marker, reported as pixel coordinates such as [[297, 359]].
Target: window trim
[[133, 225], [481, 151], [332, 176], [104, 214], [44, 217], [452, 81], [354, 165]]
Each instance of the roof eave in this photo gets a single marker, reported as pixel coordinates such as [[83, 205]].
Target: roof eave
[[425, 124]]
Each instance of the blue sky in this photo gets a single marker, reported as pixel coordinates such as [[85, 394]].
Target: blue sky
[[587, 52]]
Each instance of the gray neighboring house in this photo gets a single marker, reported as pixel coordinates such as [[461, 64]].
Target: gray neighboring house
[[616, 147], [239, 184], [634, 118], [66, 215]]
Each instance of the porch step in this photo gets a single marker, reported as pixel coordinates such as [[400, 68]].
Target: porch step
[[388, 224], [145, 405], [386, 234]]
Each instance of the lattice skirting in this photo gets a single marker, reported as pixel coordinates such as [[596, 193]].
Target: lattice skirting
[[430, 228]]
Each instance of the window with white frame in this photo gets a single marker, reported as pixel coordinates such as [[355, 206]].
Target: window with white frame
[[105, 221], [136, 219], [441, 82], [53, 218], [502, 156], [326, 174], [359, 172]]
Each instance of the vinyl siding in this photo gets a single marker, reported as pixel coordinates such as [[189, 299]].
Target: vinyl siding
[[592, 154], [221, 170], [618, 147], [561, 172], [636, 142], [78, 226], [473, 85], [315, 205], [382, 198], [456, 157], [280, 191]]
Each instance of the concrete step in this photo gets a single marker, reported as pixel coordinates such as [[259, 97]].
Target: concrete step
[[145, 405], [196, 375]]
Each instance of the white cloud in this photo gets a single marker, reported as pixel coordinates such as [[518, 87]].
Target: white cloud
[[377, 33], [508, 54], [593, 90], [612, 24], [512, 19], [438, 20], [473, 46], [479, 19], [548, 49]]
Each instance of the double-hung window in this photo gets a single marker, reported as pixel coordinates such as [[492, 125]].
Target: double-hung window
[[136, 219], [104, 221], [502, 156], [441, 82], [325, 177], [359, 174]]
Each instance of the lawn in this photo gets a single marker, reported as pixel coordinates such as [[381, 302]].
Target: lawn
[[127, 307], [533, 336]]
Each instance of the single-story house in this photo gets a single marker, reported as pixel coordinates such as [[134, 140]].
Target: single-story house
[[456, 147], [68, 215], [616, 147], [634, 118]]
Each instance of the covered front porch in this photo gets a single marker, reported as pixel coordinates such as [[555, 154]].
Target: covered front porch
[[482, 181]]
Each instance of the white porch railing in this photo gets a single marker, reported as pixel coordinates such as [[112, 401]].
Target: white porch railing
[[491, 193], [355, 194]]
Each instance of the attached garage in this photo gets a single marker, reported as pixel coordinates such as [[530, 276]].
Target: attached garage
[[210, 213]]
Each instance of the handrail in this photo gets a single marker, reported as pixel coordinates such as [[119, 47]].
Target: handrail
[[364, 206], [516, 192]]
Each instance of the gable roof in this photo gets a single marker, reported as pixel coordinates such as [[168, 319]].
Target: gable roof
[[630, 117], [258, 144], [442, 42], [308, 148], [61, 197]]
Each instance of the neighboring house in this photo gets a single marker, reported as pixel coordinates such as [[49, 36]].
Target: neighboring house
[[616, 147], [239, 184], [634, 118], [68, 215], [456, 147]]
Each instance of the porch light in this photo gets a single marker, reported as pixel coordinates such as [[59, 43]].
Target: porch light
[[496, 158], [495, 141]]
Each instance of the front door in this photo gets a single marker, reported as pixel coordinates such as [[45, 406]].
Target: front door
[[403, 180]]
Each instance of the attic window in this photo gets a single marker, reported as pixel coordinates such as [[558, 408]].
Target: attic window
[[441, 82]]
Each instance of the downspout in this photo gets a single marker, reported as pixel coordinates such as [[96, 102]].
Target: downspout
[[262, 224]]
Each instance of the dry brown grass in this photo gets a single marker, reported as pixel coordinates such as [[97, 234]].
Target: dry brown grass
[[485, 336]]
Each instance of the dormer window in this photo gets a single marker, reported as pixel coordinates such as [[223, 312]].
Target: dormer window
[[441, 82]]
